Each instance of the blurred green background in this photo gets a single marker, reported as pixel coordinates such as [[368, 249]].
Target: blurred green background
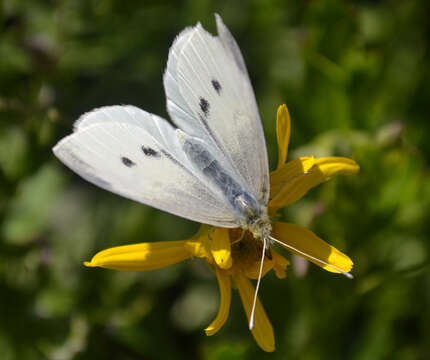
[[355, 76]]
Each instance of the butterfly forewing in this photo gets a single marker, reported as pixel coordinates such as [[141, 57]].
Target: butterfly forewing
[[209, 95]]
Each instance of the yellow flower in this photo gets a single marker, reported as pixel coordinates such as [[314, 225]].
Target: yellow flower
[[236, 256]]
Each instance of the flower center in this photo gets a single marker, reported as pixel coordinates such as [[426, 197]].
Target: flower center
[[245, 249]]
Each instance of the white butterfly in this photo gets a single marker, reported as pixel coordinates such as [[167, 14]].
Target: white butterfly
[[213, 168]]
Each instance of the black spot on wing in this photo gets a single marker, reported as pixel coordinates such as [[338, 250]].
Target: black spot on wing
[[127, 162], [216, 85], [150, 152], [204, 105]]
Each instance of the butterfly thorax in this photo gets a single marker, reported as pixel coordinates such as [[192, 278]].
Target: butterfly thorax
[[262, 228], [253, 215]]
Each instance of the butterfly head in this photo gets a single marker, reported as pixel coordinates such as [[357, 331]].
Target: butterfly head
[[261, 228]]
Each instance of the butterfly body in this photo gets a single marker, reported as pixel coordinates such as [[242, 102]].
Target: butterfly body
[[248, 209]]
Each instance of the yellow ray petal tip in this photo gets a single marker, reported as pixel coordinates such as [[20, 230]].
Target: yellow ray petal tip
[[210, 330], [89, 264], [282, 107]]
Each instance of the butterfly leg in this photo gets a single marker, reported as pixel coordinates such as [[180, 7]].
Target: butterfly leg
[[240, 238]]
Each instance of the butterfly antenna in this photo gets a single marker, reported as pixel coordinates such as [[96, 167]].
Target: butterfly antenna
[[347, 274], [254, 303]]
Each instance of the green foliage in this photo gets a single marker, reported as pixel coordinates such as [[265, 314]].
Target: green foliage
[[355, 76]]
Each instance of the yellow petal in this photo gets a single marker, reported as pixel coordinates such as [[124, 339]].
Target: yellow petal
[[333, 165], [293, 180], [283, 131], [145, 256], [279, 265], [252, 271], [224, 305], [200, 243], [288, 183], [307, 242], [263, 331], [220, 248]]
